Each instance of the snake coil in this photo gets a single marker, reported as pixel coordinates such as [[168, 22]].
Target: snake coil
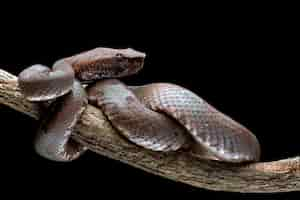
[[159, 116]]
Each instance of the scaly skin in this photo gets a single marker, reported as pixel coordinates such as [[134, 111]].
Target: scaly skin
[[160, 117], [222, 138], [134, 120]]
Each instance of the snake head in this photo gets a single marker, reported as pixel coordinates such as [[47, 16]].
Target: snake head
[[106, 63]]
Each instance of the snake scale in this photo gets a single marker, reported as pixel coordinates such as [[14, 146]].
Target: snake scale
[[158, 116]]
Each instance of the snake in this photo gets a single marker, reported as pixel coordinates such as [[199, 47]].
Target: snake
[[160, 117]]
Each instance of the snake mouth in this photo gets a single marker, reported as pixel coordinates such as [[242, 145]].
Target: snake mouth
[[134, 66], [126, 67]]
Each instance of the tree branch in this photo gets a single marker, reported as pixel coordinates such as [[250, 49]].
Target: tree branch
[[95, 131]]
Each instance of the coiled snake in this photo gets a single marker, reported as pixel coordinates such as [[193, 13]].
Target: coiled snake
[[159, 116]]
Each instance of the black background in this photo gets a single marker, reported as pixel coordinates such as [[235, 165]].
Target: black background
[[244, 63]]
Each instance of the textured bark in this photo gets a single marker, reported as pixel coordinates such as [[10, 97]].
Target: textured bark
[[95, 131]]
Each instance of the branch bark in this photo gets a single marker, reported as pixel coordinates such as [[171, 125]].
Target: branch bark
[[95, 131]]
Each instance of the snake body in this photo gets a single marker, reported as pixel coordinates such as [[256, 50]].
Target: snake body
[[159, 116]]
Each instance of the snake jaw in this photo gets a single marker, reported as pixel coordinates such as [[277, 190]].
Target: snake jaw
[[129, 66], [128, 62]]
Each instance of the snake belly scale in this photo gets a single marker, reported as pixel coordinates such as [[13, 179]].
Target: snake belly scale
[[158, 116]]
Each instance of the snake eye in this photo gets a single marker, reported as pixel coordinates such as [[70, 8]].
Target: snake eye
[[119, 55]]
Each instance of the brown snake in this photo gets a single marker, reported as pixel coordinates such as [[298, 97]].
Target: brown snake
[[159, 116]]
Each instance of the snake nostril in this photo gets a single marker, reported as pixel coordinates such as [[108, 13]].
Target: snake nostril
[[176, 133]]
